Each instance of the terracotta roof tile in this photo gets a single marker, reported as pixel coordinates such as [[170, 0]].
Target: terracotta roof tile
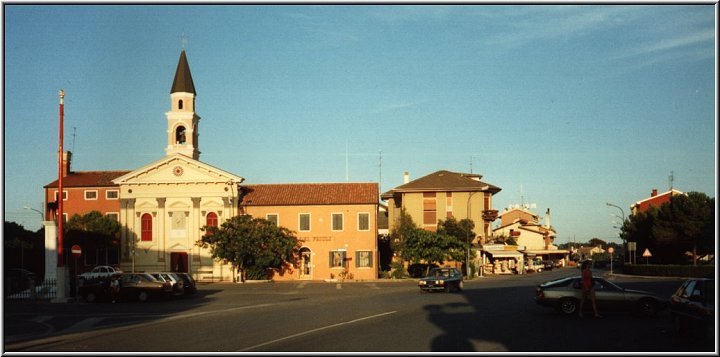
[[444, 180], [89, 179], [309, 194]]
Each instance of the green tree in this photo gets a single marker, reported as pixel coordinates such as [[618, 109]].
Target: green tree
[[403, 227], [462, 231], [597, 242], [251, 245], [23, 248], [94, 232], [685, 223], [427, 247]]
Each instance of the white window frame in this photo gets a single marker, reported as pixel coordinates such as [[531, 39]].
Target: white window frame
[[85, 195], [107, 196], [332, 221], [368, 221], [358, 260], [277, 218], [343, 259], [65, 195], [300, 222]]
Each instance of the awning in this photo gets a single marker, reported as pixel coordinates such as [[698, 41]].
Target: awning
[[504, 253], [549, 251]]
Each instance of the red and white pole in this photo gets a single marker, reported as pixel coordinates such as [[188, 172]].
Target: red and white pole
[[60, 185]]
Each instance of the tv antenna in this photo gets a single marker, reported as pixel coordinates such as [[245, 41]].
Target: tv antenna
[[671, 178], [72, 147], [380, 170]]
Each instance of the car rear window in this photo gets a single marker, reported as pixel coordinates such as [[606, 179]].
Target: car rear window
[[559, 282]]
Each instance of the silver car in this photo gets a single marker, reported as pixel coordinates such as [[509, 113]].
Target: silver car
[[177, 283], [565, 294]]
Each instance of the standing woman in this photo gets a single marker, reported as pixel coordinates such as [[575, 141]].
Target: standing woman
[[114, 288], [588, 288]]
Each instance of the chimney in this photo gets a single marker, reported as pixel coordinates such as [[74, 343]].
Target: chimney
[[654, 192], [67, 157], [406, 177]]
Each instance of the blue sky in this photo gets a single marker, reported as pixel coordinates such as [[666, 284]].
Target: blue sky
[[565, 106]]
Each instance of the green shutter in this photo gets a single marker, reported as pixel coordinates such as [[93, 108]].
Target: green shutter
[[330, 259], [357, 259]]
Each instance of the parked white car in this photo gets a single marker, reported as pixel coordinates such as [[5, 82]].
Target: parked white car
[[99, 272]]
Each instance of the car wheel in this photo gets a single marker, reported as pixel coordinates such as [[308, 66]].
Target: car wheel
[[447, 288], [90, 297], [648, 307], [142, 295], [568, 306], [459, 286], [679, 325]]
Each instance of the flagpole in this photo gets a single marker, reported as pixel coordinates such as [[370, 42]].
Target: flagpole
[[60, 184]]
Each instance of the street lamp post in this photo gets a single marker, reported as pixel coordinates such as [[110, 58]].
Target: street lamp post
[[623, 222]]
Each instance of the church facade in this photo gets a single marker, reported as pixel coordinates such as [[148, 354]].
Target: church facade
[[164, 205]]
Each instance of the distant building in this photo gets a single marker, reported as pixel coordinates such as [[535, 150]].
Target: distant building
[[534, 240], [655, 200]]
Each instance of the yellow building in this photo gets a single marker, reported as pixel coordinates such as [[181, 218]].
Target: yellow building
[[443, 194]]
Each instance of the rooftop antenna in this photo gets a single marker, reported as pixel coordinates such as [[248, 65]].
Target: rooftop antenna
[[380, 169], [671, 179], [72, 147]]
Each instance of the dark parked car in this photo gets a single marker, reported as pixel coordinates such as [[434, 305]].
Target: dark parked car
[[17, 280], [442, 279], [548, 265], [189, 283], [565, 294], [133, 286], [692, 306]]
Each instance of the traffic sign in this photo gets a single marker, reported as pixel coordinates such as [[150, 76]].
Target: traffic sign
[[75, 250], [646, 253], [611, 250]]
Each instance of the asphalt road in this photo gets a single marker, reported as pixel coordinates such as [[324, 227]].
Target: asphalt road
[[492, 314]]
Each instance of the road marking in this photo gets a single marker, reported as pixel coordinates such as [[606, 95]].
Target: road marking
[[338, 286], [315, 330], [302, 284], [83, 324], [41, 319], [373, 286]]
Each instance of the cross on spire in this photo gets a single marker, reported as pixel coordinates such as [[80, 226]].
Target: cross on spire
[[183, 40]]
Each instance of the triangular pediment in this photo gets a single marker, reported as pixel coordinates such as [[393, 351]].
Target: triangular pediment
[[177, 169], [178, 246]]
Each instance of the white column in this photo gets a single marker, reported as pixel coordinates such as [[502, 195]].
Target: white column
[[50, 250]]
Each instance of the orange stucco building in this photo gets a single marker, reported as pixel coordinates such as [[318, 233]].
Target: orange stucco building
[[336, 224]]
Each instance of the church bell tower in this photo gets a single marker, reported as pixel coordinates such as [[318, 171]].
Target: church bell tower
[[182, 130]]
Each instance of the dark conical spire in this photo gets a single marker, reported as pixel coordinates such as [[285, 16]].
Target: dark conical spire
[[183, 79]]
